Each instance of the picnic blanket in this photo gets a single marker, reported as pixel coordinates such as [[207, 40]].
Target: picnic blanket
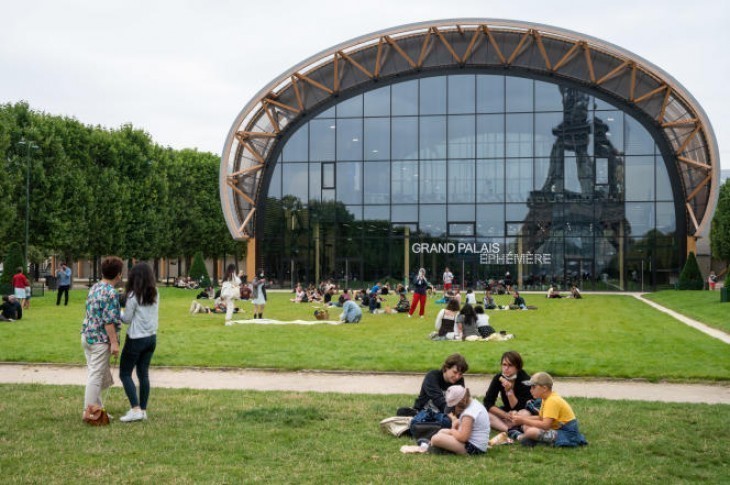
[[269, 321]]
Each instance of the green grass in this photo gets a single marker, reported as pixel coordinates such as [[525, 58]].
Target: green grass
[[599, 336], [703, 306], [277, 437]]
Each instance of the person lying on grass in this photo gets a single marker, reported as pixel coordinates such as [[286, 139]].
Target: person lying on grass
[[556, 424], [469, 431]]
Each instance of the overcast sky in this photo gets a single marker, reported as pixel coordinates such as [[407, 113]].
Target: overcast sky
[[182, 70]]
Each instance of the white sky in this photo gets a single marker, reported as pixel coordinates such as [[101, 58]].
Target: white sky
[[182, 70]]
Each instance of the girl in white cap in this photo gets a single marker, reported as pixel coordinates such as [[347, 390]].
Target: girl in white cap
[[469, 433]]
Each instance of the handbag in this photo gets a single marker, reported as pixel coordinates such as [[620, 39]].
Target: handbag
[[229, 290], [427, 423], [397, 425], [95, 415]]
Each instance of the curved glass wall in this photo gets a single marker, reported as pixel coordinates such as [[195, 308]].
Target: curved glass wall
[[481, 173]]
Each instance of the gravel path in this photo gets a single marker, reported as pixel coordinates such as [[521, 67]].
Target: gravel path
[[384, 383]]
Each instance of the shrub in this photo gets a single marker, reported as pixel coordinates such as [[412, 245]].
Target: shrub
[[691, 278], [13, 260], [198, 271]]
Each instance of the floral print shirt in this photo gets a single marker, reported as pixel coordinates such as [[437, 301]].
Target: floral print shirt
[[102, 308]]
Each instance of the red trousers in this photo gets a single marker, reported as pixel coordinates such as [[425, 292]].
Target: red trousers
[[418, 298]]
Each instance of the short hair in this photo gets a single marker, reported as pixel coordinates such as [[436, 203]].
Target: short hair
[[111, 267], [453, 305], [478, 310], [457, 360], [513, 357]]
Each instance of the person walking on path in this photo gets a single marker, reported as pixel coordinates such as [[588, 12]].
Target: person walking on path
[[420, 285], [64, 283], [100, 330], [141, 313]]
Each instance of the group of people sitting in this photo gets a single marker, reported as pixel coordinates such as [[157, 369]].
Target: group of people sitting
[[186, 282], [465, 323], [553, 292], [531, 412]]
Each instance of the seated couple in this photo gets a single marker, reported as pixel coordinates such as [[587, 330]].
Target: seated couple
[[468, 322], [218, 307]]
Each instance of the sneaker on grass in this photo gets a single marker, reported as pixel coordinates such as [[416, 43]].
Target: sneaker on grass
[[133, 415]]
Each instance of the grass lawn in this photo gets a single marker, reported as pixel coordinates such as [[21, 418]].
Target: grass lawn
[[277, 437], [599, 336], [703, 306]]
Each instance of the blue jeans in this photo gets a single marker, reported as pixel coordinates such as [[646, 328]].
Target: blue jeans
[[137, 352]]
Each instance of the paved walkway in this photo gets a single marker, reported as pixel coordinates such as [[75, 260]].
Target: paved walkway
[[712, 332], [344, 382]]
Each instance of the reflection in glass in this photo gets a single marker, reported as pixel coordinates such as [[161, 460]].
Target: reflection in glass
[[405, 138], [432, 179], [640, 178], [405, 98], [377, 182], [404, 176], [349, 139], [432, 220], [432, 96], [350, 108], [377, 102], [296, 148], [322, 140], [519, 135], [461, 136], [349, 182], [461, 181], [490, 136], [490, 181], [377, 138], [432, 137], [519, 95], [461, 94], [490, 94]]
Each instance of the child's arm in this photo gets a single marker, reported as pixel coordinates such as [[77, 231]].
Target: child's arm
[[462, 431], [535, 421]]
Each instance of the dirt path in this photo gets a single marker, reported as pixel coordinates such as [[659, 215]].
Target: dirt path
[[343, 382]]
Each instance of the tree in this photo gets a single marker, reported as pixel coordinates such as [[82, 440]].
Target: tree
[[691, 278], [720, 234], [13, 260], [198, 271]]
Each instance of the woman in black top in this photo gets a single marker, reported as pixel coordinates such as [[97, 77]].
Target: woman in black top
[[507, 385]]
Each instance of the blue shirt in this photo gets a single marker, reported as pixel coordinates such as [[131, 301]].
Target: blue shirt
[[64, 276], [350, 310]]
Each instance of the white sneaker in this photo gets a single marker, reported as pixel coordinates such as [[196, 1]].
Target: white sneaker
[[144, 415], [132, 415]]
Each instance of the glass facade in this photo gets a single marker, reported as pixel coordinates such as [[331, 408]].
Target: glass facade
[[482, 173]]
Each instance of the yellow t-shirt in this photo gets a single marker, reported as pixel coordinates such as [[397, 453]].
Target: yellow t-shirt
[[558, 409]]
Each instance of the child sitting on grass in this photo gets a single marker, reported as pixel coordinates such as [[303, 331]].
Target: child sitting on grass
[[556, 424]]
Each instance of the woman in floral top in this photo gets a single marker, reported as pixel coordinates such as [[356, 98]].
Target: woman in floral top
[[100, 330]]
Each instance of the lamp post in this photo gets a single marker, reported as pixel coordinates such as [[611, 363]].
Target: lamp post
[[29, 145]]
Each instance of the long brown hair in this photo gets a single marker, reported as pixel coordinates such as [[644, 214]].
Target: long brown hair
[[141, 283]]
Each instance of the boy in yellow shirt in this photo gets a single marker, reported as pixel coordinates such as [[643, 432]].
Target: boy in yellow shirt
[[556, 424]]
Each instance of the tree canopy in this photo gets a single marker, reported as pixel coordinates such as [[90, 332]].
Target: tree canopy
[[97, 191], [720, 235]]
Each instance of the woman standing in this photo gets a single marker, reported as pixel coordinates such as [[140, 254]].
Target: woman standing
[[100, 330], [258, 285], [420, 285], [230, 290], [141, 314]]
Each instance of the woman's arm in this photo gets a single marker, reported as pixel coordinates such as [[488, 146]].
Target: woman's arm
[[129, 309]]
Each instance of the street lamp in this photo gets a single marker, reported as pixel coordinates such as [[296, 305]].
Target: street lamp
[[29, 145]]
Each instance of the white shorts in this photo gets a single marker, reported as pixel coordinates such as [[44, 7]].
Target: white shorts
[[20, 293]]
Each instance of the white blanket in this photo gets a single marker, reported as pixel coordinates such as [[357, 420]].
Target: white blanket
[[269, 321]]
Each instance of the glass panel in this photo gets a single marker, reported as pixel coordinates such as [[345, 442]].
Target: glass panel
[[432, 137], [640, 178], [542, 170], [461, 136], [328, 195], [404, 213], [432, 219], [349, 182], [432, 179], [376, 213], [608, 129], [355, 211], [601, 105], [405, 138], [350, 107], [377, 102], [490, 181], [490, 220], [462, 212], [322, 140], [328, 113], [516, 212], [640, 217], [296, 148], [461, 181], [461, 229], [432, 96], [519, 135], [663, 186], [349, 139], [461, 94], [294, 177], [638, 140], [519, 179], [405, 98], [570, 175], [548, 97], [377, 138], [666, 221], [315, 180], [405, 182], [328, 175], [519, 94], [275, 184], [490, 136], [377, 182], [601, 170], [490, 94], [546, 132]]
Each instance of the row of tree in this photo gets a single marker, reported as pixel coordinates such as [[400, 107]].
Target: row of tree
[[96, 191]]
